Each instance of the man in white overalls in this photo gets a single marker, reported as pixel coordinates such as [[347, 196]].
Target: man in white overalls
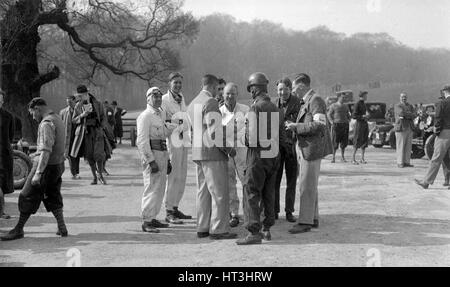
[[174, 104], [152, 132], [233, 116]]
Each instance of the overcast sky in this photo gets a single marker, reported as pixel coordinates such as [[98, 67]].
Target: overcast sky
[[416, 23]]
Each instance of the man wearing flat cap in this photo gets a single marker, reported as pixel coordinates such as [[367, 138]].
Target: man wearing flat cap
[[89, 119], [44, 181], [442, 141], [152, 132], [173, 103]]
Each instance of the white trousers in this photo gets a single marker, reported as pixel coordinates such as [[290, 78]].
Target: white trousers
[[236, 169], [154, 185], [176, 180]]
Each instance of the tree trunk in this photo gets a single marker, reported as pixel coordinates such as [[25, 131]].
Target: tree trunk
[[20, 78]]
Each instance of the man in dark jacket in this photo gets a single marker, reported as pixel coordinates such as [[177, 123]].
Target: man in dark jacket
[[44, 182], [442, 142], [263, 135], [290, 105], [6, 155], [313, 144]]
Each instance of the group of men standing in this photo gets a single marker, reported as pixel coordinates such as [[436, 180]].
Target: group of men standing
[[232, 141]]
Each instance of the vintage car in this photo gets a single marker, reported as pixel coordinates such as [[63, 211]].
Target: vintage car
[[22, 162]]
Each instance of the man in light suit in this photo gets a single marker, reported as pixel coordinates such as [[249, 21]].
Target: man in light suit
[[404, 117], [66, 115], [442, 142], [313, 144], [210, 154], [174, 104]]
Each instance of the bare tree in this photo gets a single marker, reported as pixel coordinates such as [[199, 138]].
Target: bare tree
[[110, 36]]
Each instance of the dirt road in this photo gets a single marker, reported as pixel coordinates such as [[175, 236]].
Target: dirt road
[[370, 215]]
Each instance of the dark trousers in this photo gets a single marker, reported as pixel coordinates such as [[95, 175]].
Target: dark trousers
[[288, 162], [260, 190], [49, 191], [74, 163]]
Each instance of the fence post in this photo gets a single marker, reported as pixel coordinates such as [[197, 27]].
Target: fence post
[[133, 136]]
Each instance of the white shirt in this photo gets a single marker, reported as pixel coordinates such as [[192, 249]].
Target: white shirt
[[177, 111], [236, 117], [151, 126]]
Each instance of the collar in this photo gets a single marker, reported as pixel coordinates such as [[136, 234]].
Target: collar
[[208, 92], [307, 94], [152, 110], [174, 96]]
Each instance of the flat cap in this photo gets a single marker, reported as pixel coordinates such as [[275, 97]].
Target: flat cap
[[81, 89]]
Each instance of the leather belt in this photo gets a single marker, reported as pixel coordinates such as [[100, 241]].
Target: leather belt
[[158, 145]]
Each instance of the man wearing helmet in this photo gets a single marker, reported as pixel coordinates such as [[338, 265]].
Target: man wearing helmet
[[263, 135]]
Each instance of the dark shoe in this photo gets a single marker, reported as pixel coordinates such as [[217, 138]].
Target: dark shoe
[[180, 214], [102, 180], [63, 232], [171, 218], [276, 216], [400, 165], [300, 228], [13, 235], [290, 217], [250, 239], [5, 216], [94, 182], [202, 234], [266, 235], [316, 224], [446, 184], [422, 184], [234, 222], [146, 227], [158, 224], [408, 165], [227, 235]]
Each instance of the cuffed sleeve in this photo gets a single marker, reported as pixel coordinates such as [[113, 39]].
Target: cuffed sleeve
[[143, 139]]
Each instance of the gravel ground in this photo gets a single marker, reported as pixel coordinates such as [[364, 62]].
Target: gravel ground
[[371, 214]]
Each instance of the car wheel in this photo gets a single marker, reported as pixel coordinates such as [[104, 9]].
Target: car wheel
[[21, 169]]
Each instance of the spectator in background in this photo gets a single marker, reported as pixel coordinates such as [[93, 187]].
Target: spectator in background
[[109, 130], [89, 120], [390, 114], [404, 117], [109, 111], [220, 88], [118, 128], [361, 136], [66, 115], [339, 117]]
